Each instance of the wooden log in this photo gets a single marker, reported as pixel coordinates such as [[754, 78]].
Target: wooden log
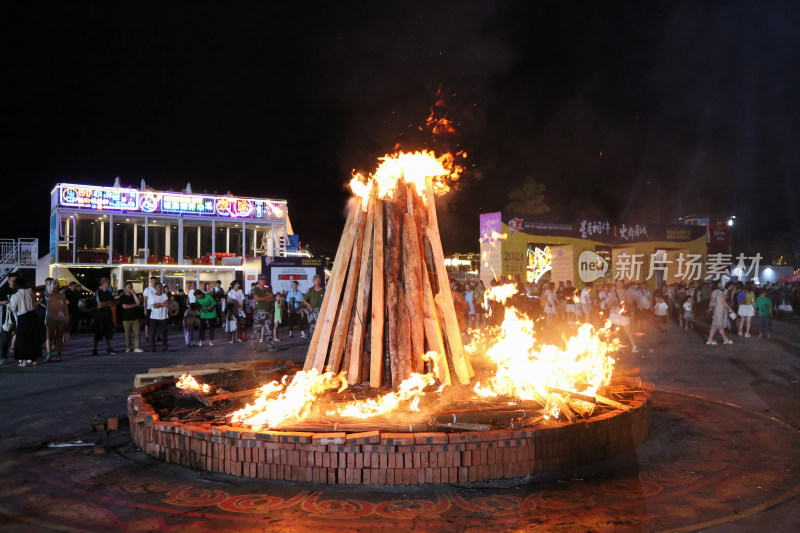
[[412, 275], [444, 299], [433, 330], [378, 291], [404, 358], [348, 296], [322, 334], [355, 346], [392, 269]]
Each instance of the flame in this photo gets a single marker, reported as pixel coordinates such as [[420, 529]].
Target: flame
[[187, 382], [529, 371], [293, 401], [410, 389], [412, 167], [524, 369]]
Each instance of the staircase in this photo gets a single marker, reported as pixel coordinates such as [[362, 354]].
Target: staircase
[[15, 254]]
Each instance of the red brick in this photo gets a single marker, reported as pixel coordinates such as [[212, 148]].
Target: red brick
[[383, 461], [295, 436], [369, 437], [430, 438], [341, 476], [379, 449], [367, 460], [359, 460], [393, 439], [341, 448], [328, 438], [331, 476], [382, 476], [463, 474], [415, 448]]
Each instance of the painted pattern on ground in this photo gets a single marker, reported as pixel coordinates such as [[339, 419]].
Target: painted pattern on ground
[[705, 463]]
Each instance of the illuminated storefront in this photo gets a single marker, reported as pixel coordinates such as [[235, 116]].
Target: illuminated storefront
[[531, 248], [183, 238]]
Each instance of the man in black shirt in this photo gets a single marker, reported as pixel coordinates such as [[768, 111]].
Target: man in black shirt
[[103, 319], [73, 295], [5, 295], [131, 313]]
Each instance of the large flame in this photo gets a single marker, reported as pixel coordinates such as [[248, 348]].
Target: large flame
[[413, 168], [530, 371], [293, 401]]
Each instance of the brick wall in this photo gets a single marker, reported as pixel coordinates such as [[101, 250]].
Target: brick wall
[[387, 458]]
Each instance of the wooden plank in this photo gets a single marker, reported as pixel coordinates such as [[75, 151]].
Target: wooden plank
[[444, 299], [433, 330], [392, 270], [376, 334], [404, 359], [412, 276], [356, 344], [322, 333], [342, 322]]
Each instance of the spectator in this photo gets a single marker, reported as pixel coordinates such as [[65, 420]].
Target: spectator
[[746, 299], [263, 310], [159, 316], [73, 294], [764, 307], [28, 344], [219, 297], [231, 323], [191, 321], [208, 316], [296, 310], [586, 302], [480, 309], [173, 310], [660, 312], [103, 319], [9, 319], [313, 300], [147, 294], [687, 318], [719, 308], [278, 315], [56, 320], [131, 314]]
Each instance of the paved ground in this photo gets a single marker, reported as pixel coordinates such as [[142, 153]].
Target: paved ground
[[722, 456]]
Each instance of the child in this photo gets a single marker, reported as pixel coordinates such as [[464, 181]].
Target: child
[[278, 315], [232, 320], [687, 319], [764, 309], [660, 311], [191, 321]]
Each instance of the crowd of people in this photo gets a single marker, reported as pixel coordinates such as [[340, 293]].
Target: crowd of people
[[32, 322], [634, 307], [49, 319]]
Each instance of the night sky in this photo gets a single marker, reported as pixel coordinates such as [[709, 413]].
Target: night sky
[[284, 100]]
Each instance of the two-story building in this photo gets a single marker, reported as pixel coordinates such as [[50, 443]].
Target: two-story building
[[183, 238]]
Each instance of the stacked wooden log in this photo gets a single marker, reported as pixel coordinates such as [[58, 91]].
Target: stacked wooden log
[[388, 301]]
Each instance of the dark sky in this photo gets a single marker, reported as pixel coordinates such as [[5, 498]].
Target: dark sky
[[283, 100]]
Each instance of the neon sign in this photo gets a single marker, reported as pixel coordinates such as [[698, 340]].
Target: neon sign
[[234, 207], [187, 205], [150, 202], [99, 198], [132, 200]]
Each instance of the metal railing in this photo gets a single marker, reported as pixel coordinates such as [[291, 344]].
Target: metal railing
[[17, 253]]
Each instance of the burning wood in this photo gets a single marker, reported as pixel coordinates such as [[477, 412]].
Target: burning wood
[[411, 305]]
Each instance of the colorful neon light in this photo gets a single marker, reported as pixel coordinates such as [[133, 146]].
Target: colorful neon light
[[111, 198], [99, 198], [234, 207], [187, 205]]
